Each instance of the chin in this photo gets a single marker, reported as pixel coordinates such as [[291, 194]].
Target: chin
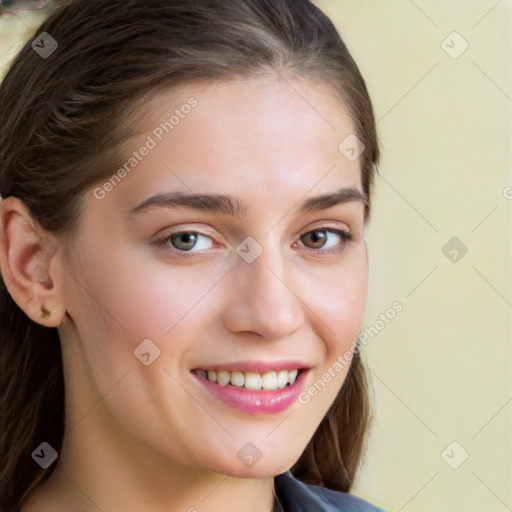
[[264, 467]]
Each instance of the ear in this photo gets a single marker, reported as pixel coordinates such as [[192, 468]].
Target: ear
[[29, 264]]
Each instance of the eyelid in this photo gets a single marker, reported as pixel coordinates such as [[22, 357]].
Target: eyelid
[[186, 229], [327, 225]]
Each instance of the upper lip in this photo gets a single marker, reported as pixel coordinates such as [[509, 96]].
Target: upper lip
[[257, 366]]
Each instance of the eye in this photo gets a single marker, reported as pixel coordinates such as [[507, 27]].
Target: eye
[[319, 237], [184, 241]]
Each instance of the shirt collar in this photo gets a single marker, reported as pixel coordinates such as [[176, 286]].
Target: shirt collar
[[296, 496]]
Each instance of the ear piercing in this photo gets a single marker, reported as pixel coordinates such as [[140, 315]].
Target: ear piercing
[[45, 314]]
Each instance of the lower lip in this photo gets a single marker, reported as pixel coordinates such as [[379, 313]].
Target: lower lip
[[256, 402]]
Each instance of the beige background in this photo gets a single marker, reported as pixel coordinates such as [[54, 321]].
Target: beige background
[[442, 367]]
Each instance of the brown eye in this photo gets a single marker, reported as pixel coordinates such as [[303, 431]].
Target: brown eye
[[317, 238]]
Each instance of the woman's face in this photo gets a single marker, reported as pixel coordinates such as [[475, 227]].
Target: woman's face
[[159, 322]]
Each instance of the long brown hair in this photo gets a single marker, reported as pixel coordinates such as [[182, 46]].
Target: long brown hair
[[63, 120]]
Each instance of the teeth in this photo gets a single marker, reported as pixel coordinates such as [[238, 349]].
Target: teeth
[[269, 381], [237, 379], [223, 378], [251, 380], [282, 379]]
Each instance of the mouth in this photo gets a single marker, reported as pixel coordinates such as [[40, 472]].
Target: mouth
[[254, 381], [254, 387]]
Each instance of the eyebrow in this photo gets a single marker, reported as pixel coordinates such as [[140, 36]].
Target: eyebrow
[[234, 206]]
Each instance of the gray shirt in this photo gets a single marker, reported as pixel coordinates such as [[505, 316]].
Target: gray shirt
[[292, 495]]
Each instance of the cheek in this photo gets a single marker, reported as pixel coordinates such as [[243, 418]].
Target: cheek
[[137, 298], [130, 302], [339, 301], [339, 305], [156, 299]]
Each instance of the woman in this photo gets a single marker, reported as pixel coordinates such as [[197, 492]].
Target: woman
[[184, 192]]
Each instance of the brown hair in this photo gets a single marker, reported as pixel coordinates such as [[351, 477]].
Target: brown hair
[[63, 120]]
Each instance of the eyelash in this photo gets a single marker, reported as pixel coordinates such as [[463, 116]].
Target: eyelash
[[345, 236]]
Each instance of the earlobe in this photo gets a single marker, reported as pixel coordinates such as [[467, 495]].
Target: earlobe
[[28, 264]]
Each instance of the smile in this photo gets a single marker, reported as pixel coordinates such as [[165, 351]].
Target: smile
[[269, 381], [271, 390]]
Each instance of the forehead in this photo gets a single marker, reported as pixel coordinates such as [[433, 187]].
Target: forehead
[[273, 138]]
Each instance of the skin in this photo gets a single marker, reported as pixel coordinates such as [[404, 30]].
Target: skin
[[152, 437]]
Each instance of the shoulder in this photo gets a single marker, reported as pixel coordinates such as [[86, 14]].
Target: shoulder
[[296, 496]]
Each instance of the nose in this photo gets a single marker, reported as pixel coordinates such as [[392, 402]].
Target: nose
[[264, 299]]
